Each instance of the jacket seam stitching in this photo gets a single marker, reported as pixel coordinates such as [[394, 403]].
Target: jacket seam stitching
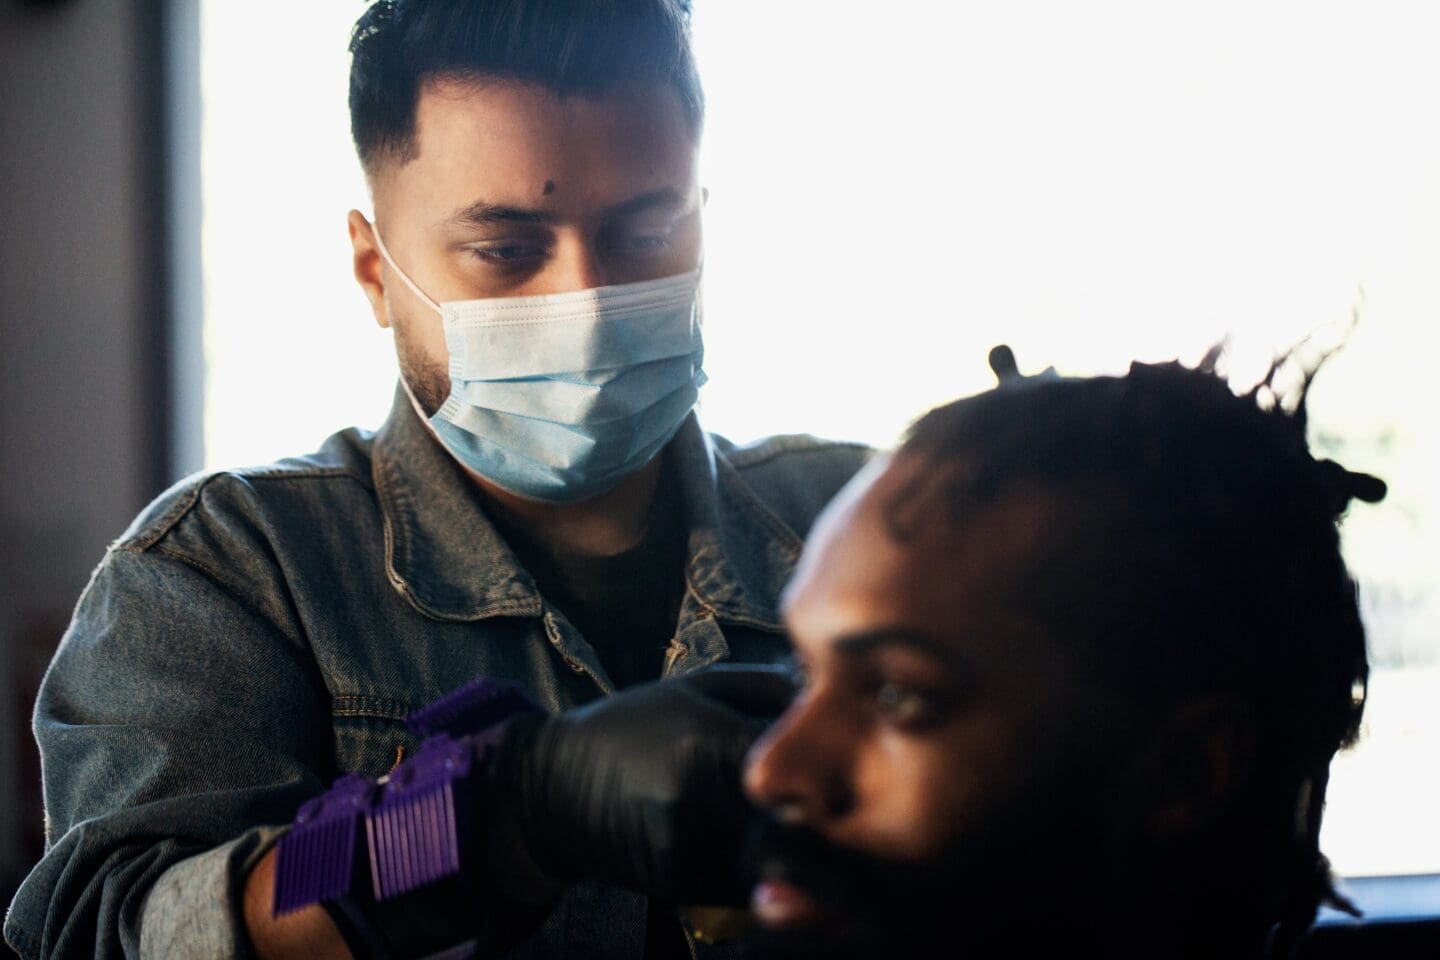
[[782, 535], [753, 504], [200, 565], [390, 496], [384, 708], [385, 499], [219, 581], [166, 522], [510, 608], [286, 473], [740, 620]]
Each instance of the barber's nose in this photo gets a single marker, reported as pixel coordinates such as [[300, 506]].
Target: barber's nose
[[578, 267], [799, 769]]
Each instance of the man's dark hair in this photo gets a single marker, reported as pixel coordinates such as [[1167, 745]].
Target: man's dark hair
[[1237, 587], [571, 47]]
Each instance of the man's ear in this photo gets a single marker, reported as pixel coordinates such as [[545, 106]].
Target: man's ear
[[1196, 766], [367, 265]]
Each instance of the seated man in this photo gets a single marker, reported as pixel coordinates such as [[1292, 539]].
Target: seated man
[[1076, 659]]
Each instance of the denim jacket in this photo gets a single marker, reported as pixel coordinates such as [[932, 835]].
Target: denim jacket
[[256, 633]]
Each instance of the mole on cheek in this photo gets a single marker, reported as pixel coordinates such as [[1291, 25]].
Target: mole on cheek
[[549, 188]]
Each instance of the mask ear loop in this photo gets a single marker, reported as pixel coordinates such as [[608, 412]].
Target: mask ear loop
[[414, 288]]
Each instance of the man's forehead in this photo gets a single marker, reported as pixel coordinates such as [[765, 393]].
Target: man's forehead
[[519, 145], [903, 548], [921, 505], [498, 114]]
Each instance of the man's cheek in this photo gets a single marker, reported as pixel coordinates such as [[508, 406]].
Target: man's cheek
[[917, 810]]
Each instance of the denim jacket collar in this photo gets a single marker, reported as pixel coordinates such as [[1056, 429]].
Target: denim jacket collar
[[445, 557]]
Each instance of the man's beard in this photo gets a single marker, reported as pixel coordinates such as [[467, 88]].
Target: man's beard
[[1023, 878], [875, 907], [429, 381]]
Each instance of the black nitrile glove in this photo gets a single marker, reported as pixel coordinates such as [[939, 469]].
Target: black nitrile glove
[[642, 789]]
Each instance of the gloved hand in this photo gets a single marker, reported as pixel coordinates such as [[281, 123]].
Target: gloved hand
[[642, 789]]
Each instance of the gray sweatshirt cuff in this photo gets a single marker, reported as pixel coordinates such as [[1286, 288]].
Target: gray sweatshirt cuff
[[195, 909]]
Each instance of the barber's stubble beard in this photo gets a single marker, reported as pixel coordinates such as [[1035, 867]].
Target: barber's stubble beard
[[428, 380]]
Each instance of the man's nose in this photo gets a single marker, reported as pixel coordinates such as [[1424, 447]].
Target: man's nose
[[799, 768], [578, 266]]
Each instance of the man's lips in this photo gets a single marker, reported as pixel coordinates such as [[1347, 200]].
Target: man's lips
[[778, 901]]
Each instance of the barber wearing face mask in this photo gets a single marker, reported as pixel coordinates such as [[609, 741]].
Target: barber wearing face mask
[[541, 508]]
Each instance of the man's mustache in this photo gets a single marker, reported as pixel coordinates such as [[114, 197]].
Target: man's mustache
[[1035, 844], [861, 885]]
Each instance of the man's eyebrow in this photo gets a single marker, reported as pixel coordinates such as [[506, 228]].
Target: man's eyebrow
[[666, 198], [483, 213], [858, 644]]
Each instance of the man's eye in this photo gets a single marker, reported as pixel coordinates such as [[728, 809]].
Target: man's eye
[[641, 244], [906, 706], [508, 252]]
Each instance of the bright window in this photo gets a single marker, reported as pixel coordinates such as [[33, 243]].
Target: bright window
[[891, 196]]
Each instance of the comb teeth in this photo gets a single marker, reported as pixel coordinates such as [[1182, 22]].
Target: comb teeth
[[474, 708], [412, 828], [315, 861]]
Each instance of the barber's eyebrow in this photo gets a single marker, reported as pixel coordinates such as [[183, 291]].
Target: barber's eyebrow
[[666, 198], [482, 213], [859, 644]]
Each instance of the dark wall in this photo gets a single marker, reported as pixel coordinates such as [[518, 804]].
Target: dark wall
[[84, 427]]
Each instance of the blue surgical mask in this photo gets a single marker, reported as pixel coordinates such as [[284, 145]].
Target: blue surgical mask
[[558, 397]]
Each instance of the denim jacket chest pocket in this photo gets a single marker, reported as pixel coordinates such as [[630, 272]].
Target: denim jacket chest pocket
[[378, 678]]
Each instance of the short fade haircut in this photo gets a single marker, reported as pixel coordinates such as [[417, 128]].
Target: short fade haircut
[[570, 47], [1237, 587]]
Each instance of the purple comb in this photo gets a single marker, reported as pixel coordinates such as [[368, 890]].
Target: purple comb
[[414, 838], [472, 709], [315, 861]]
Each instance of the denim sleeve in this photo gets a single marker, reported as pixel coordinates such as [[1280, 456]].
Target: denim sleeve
[[175, 717]]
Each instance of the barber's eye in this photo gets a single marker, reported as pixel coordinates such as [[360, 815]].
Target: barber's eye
[[641, 244], [906, 706], [508, 253]]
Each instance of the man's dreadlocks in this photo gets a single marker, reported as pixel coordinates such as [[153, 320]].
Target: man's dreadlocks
[[1250, 597]]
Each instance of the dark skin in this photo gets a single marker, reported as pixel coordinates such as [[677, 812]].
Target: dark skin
[[938, 707]]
